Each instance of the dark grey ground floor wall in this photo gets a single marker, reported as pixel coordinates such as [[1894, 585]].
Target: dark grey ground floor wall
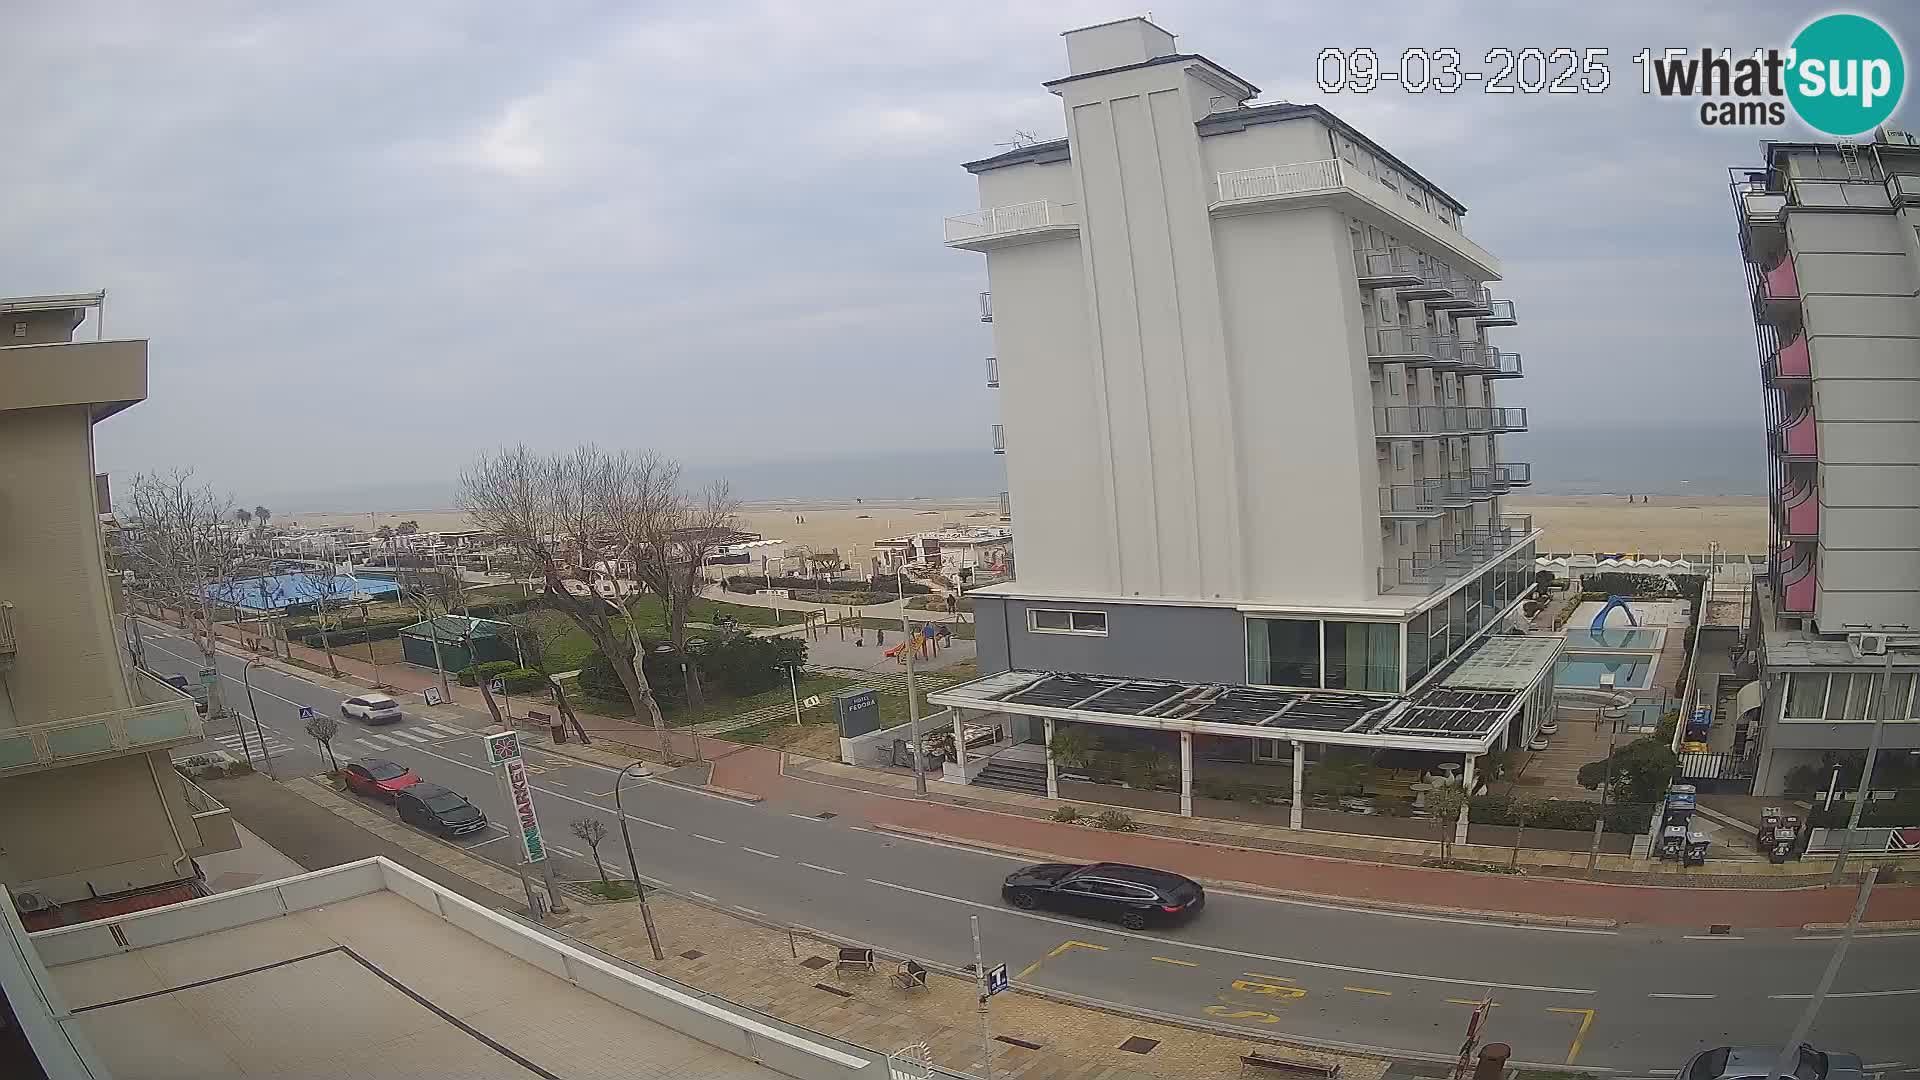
[[1148, 641]]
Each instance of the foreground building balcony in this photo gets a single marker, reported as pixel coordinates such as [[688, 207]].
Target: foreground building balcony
[[168, 719], [1330, 181], [1799, 582], [1415, 348], [1417, 501], [1798, 439], [1016, 223], [1791, 363], [1798, 513], [1389, 269], [1776, 293], [986, 307], [1422, 421], [1903, 189], [1434, 568]]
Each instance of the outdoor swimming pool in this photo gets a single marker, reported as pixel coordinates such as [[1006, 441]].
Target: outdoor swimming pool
[[1615, 637], [1631, 671]]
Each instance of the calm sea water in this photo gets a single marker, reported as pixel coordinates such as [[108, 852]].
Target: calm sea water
[[1645, 461]]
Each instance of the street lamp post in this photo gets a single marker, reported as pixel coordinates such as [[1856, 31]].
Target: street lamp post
[[633, 866], [246, 677], [913, 699], [1866, 770]]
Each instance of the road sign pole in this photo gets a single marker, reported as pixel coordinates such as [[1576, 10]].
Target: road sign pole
[[1789, 1054], [980, 980]]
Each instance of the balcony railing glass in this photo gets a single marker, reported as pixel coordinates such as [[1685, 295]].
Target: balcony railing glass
[[168, 721], [1420, 499], [999, 439], [1518, 474], [1013, 218], [1500, 314], [993, 372]]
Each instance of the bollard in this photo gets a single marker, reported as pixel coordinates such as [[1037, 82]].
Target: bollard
[[1493, 1062]]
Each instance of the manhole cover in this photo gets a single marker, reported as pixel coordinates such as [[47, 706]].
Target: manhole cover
[[815, 963], [1139, 1044], [692, 954]]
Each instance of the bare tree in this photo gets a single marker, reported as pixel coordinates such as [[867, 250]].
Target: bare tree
[[591, 832], [532, 649], [557, 511], [670, 534], [431, 594], [329, 590], [1444, 803], [184, 554], [323, 728]]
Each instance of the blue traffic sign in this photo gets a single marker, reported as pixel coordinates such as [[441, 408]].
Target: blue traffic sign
[[307, 713], [996, 979]]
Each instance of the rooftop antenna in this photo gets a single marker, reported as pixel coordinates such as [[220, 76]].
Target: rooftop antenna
[[1021, 138]]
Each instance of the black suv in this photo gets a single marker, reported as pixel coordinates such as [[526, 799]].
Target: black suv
[[438, 809], [1133, 896]]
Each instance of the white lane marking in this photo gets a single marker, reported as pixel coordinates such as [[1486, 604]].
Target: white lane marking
[[1663, 1072], [1850, 994], [957, 847], [537, 787], [804, 817], [1712, 937], [709, 839], [859, 828], [757, 851], [568, 851], [484, 843], [369, 745], [1684, 997], [703, 896], [411, 737], [558, 784], [749, 911], [1886, 1064], [1171, 943], [649, 821], [446, 729], [1862, 934], [1496, 924], [824, 869], [230, 678]]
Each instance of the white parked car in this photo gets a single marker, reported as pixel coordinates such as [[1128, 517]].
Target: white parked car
[[373, 709]]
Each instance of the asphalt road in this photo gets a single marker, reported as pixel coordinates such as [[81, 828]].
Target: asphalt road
[[1634, 1000]]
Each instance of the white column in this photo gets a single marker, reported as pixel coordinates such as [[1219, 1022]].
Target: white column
[[1053, 773], [1299, 779], [1186, 774], [960, 744], [1466, 784]]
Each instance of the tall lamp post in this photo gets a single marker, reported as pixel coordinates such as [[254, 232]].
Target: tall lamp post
[[253, 713], [1882, 715], [913, 698], [633, 867]]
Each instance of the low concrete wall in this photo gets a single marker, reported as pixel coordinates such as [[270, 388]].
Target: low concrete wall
[[1371, 825], [1252, 813], [1550, 839], [1167, 802]]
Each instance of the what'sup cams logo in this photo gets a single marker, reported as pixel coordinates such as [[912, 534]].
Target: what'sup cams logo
[[1843, 75]]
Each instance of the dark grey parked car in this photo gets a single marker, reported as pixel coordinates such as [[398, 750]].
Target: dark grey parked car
[[1756, 1063]]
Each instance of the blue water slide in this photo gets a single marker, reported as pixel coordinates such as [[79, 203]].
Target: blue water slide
[[1600, 620]]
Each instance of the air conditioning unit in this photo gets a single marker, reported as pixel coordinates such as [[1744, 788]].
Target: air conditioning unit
[[1867, 644], [28, 902]]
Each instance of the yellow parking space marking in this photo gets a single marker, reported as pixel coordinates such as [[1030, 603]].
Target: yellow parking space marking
[[1057, 950], [1586, 1021], [1228, 1012], [1177, 963], [1367, 990], [1264, 975], [1268, 989], [1476, 1003]]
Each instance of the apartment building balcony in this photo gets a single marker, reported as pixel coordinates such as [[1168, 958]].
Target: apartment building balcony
[[1388, 269], [1434, 568], [1799, 580], [1505, 365], [1798, 439], [1763, 217], [986, 307], [1791, 363], [1477, 358], [1475, 302], [167, 719], [1461, 297], [212, 821], [1455, 493], [1798, 512], [1416, 501], [1016, 223], [1776, 293], [993, 372], [1427, 421], [1415, 348], [1903, 189], [999, 439], [1517, 474], [1334, 182], [1499, 313], [1497, 420], [1486, 483]]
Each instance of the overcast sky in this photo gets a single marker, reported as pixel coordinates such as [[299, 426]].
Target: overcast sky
[[367, 239]]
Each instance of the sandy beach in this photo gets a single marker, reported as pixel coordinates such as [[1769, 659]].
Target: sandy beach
[[1607, 523]]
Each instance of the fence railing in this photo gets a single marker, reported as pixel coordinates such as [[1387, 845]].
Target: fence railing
[[1270, 180], [1015, 217]]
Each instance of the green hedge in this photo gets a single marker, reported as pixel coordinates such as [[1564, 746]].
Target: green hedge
[[1576, 815], [352, 635], [736, 667], [492, 669], [879, 583]]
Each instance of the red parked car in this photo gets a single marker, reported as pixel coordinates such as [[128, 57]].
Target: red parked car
[[379, 777]]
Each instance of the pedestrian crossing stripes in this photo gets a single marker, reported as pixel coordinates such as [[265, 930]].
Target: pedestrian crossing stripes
[[251, 746], [401, 738]]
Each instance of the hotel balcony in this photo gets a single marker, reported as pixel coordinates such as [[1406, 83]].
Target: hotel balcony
[[1776, 293], [986, 307], [1422, 421], [1330, 181], [1485, 484], [1763, 217], [1498, 420], [1798, 511], [1016, 223], [1434, 568], [999, 439], [1476, 302], [1461, 298], [1518, 474], [1903, 189], [1798, 439], [1455, 494], [993, 372], [1477, 358], [1506, 365], [168, 719], [1499, 313], [1791, 363], [1389, 269], [1799, 581], [1415, 348], [1412, 501]]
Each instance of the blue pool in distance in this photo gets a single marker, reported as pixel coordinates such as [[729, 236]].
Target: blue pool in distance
[[1630, 671], [1613, 637]]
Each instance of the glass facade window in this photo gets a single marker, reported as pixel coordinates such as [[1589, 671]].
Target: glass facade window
[[1363, 656], [1806, 694], [1475, 592], [1856, 697], [1417, 632], [1457, 619], [1283, 652]]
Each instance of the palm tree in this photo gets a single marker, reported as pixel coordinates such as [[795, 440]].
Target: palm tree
[[244, 516], [262, 515]]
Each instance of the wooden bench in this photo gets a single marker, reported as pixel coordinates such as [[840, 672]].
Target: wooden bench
[[1260, 1064], [854, 958]]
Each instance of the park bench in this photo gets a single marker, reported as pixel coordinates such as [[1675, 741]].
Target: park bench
[[911, 976], [854, 958], [1259, 1063]]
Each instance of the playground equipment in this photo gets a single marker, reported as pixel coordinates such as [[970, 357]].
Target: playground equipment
[[1600, 620], [925, 640]]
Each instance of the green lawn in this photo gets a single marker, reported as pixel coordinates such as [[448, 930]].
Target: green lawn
[[567, 646]]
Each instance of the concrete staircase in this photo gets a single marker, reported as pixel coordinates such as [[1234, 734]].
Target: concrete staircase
[[1008, 774]]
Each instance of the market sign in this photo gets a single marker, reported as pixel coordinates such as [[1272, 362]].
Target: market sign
[[522, 795], [502, 746]]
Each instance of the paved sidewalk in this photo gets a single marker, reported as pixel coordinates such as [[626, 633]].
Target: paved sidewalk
[[761, 966]]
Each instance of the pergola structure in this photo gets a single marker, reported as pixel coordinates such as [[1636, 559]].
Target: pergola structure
[[1468, 709]]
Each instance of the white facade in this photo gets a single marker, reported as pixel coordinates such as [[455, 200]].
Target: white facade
[[1241, 350]]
